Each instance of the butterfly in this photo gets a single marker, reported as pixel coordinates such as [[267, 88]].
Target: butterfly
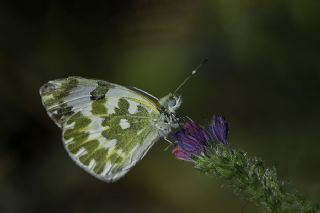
[[107, 128]]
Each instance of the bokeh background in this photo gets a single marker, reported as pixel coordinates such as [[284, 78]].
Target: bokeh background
[[263, 75]]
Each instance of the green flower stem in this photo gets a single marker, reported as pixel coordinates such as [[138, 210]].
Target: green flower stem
[[247, 174]]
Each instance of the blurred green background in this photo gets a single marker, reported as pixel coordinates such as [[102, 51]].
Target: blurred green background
[[263, 75]]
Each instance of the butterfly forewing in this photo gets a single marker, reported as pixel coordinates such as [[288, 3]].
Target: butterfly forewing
[[106, 127]]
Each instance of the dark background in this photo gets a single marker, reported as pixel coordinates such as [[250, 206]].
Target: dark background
[[263, 75]]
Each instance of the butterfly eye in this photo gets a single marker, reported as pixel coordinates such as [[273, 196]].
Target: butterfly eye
[[172, 103]]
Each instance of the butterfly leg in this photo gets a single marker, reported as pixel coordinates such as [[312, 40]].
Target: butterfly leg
[[184, 120], [171, 143], [187, 117]]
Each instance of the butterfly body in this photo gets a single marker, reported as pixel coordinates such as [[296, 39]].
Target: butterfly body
[[107, 128]]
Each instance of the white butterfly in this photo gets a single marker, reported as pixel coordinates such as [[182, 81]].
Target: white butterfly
[[107, 128]]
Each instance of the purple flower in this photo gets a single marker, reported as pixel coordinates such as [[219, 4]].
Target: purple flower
[[180, 154], [197, 132], [219, 129], [193, 140]]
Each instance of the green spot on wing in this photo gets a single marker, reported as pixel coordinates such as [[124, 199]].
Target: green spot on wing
[[78, 133], [79, 139], [57, 90], [90, 147], [49, 102], [127, 138], [100, 91], [115, 158], [100, 158], [80, 120], [62, 111], [99, 107], [66, 87], [53, 94]]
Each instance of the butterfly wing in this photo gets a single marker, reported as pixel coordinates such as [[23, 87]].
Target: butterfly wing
[[106, 127]]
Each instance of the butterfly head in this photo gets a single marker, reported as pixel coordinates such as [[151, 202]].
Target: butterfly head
[[171, 102], [168, 120]]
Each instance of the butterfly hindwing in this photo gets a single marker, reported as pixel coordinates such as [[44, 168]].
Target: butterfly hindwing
[[106, 127]]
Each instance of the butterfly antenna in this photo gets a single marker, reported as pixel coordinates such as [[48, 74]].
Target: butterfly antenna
[[191, 74]]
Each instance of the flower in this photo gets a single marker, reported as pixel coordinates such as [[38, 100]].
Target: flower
[[197, 132], [180, 154], [193, 139], [219, 129]]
